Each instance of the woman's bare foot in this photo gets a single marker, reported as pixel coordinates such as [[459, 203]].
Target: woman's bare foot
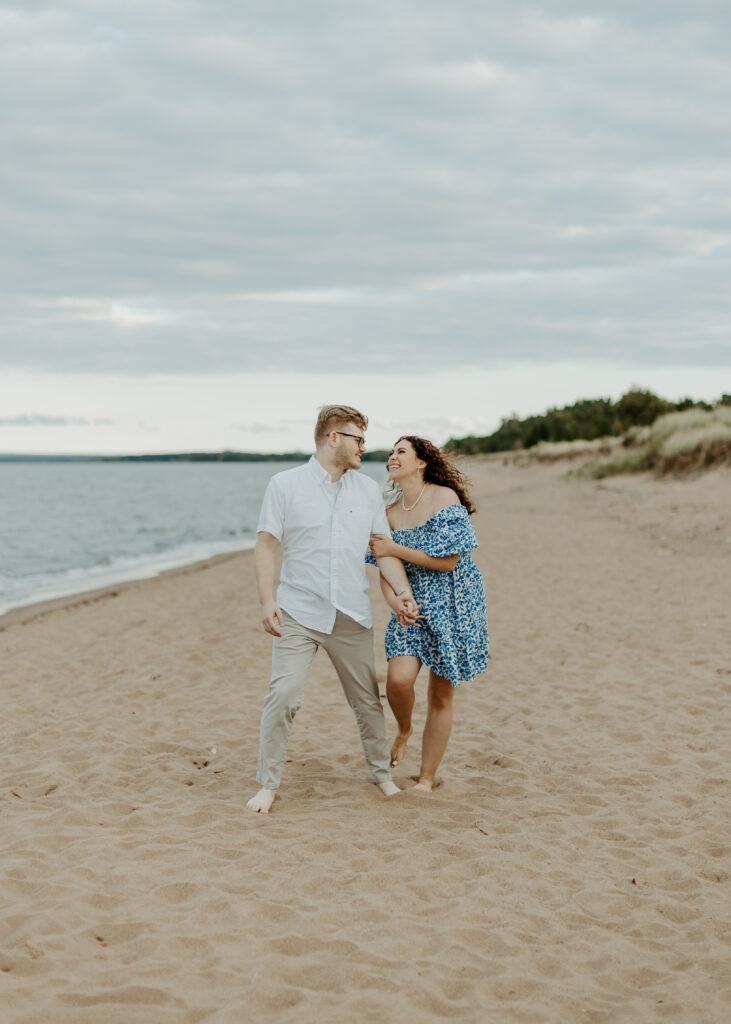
[[425, 785], [398, 748], [262, 801]]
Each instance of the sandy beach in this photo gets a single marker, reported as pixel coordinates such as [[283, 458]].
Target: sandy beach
[[573, 865]]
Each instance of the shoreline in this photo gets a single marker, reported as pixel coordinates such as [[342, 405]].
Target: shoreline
[[20, 614], [133, 537]]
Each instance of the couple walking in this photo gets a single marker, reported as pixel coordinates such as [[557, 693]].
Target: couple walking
[[330, 520]]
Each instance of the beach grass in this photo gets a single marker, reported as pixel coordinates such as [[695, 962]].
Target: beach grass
[[567, 451], [681, 432], [678, 442], [624, 461]]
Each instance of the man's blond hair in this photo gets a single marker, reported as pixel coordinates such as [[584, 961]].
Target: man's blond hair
[[330, 417]]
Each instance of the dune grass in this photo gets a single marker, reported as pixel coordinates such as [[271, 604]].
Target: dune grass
[[682, 432], [623, 461], [678, 442], [556, 451]]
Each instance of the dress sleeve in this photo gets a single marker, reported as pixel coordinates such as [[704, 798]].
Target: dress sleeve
[[450, 532]]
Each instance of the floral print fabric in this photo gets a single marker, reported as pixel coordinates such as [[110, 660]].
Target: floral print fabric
[[452, 639]]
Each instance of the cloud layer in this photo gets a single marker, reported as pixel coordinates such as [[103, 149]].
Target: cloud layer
[[216, 186]]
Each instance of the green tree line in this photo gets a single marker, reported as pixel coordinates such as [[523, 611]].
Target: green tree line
[[585, 420]]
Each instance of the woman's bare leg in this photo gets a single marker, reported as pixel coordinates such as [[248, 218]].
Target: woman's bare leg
[[402, 673], [437, 729]]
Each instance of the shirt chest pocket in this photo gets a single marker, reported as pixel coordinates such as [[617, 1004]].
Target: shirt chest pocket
[[356, 524]]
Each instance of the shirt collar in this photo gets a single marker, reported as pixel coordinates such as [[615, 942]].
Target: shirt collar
[[321, 474]]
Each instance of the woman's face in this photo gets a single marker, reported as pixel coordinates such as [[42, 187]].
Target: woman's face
[[403, 460]]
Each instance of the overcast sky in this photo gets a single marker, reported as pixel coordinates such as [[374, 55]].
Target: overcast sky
[[217, 216]]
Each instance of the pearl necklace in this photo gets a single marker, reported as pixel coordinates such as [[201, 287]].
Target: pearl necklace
[[408, 508]]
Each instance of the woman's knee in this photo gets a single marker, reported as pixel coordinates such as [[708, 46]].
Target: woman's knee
[[440, 694], [399, 683], [402, 673]]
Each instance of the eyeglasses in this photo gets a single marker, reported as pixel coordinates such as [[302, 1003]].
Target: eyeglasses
[[359, 439]]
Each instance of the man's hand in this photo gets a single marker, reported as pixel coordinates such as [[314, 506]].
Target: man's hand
[[272, 617], [382, 546], [406, 609], [264, 564]]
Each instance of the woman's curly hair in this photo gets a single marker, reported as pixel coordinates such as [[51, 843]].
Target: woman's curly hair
[[439, 469]]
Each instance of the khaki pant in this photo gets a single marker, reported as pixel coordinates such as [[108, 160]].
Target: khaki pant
[[350, 649]]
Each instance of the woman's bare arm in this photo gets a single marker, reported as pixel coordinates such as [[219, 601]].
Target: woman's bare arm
[[382, 546]]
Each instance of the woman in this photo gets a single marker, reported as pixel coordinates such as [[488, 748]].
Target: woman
[[432, 534]]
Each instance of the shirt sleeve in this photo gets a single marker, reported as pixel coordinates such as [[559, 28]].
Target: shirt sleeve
[[380, 524], [271, 517], [380, 519], [450, 533]]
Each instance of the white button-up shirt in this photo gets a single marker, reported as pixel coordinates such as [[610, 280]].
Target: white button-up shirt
[[324, 529]]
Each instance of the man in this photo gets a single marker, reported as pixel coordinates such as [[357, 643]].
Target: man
[[323, 514]]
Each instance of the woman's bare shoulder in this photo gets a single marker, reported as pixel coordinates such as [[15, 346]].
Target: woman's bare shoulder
[[390, 510], [444, 497]]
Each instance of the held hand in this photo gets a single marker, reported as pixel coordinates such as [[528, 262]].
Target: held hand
[[406, 609], [382, 546], [272, 620]]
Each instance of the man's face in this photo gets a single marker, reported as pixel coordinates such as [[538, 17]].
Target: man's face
[[348, 446]]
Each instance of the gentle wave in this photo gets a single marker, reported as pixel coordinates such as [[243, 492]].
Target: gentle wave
[[47, 586]]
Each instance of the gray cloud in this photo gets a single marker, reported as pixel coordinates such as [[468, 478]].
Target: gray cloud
[[226, 186], [42, 420], [280, 426]]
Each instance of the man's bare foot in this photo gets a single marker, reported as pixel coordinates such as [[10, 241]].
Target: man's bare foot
[[262, 801], [388, 788], [398, 748], [425, 785]]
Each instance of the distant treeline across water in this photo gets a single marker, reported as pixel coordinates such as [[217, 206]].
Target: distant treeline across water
[[225, 456]]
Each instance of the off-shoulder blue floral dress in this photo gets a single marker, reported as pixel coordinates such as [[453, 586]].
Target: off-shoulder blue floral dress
[[452, 639]]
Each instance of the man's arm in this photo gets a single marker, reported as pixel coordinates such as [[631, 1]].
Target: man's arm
[[393, 572], [390, 599], [265, 558]]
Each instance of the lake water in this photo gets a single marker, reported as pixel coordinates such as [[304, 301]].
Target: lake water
[[70, 527]]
